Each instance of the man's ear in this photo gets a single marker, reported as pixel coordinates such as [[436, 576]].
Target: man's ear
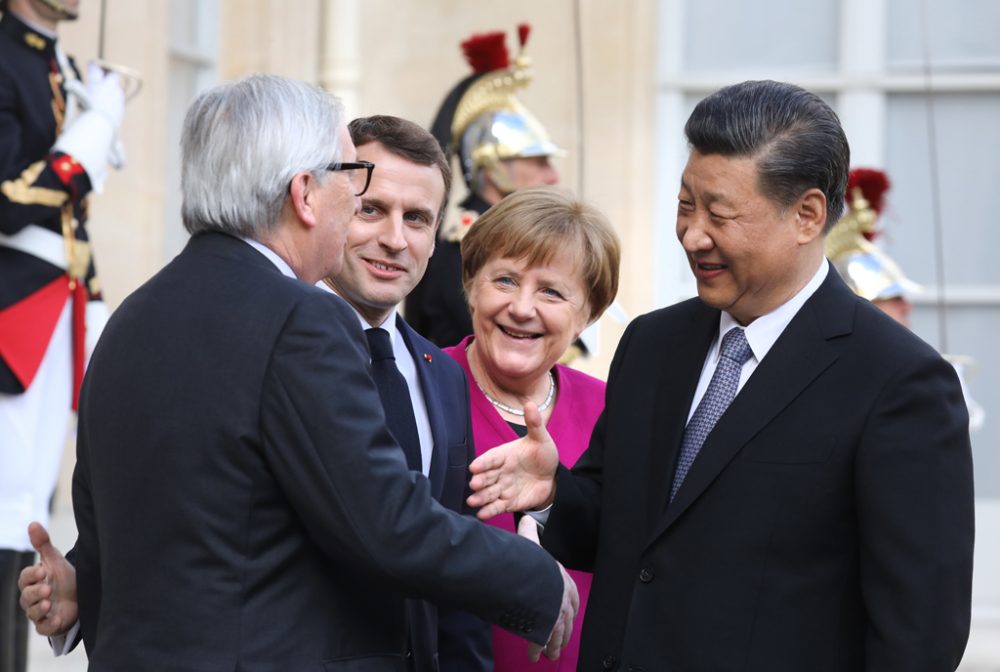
[[302, 197], [810, 212]]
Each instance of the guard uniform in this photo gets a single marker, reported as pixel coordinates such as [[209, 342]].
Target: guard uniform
[[47, 282]]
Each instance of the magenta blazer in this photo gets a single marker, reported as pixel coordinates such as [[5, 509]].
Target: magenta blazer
[[580, 402]]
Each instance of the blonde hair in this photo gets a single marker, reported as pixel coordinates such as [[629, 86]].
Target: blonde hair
[[535, 225]]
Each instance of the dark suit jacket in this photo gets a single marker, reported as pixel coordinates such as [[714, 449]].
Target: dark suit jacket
[[826, 525], [446, 639], [239, 501]]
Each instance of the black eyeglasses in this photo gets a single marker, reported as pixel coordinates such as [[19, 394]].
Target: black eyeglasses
[[358, 172]]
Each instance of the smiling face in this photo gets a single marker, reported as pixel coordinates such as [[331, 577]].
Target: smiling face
[[748, 254], [525, 317], [391, 239]]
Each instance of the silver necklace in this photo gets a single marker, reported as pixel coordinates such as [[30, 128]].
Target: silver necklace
[[520, 411]]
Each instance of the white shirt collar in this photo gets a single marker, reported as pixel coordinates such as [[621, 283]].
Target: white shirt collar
[[763, 332], [271, 255], [389, 324]]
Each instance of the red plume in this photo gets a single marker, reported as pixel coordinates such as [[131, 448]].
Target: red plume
[[486, 52], [523, 30], [873, 183]]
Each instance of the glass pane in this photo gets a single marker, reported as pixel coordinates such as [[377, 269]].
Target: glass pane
[[963, 34], [183, 22], [971, 333], [785, 36], [967, 137]]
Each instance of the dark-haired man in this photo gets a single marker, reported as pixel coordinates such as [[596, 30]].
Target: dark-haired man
[[782, 477]]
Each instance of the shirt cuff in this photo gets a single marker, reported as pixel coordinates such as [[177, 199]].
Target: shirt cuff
[[541, 517], [63, 644]]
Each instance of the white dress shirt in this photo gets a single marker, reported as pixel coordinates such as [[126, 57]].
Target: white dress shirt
[[761, 335]]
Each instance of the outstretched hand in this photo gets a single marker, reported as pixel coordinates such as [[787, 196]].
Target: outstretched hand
[[48, 589], [518, 475]]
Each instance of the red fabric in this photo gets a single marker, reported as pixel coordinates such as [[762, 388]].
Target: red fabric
[[79, 339], [486, 52], [66, 168], [26, 328], [523, 30]]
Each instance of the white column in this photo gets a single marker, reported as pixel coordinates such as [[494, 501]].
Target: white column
[[340, 52]]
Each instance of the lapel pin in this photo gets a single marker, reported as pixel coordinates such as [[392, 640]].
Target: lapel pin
[[428, 358]]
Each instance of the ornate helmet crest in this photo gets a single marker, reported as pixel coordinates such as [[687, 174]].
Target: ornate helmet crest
[[482, 120], [869, 271]]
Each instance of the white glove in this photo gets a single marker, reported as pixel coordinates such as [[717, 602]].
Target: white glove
[[92, 137], [105, 94]]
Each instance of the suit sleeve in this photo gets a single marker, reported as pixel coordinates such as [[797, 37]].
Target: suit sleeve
[[324, 438], [573, 526], [85, 555], [914, 489]]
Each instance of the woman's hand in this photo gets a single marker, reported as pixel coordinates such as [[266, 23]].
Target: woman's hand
[[519, 475]]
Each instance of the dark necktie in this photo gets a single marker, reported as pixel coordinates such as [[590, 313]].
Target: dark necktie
[[395, 396], [721, 391]]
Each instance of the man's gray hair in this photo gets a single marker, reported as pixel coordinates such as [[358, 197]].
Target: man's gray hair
[[241, 145], [795, 137]]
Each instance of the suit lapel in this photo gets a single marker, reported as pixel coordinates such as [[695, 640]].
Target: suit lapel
[[427, 374], [798, 357], [687, 346]]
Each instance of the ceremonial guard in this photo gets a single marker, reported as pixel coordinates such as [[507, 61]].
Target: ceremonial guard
[[57, 137], [501, 147], [871, 273]]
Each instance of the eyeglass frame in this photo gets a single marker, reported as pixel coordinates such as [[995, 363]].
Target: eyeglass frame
[[355, 165]]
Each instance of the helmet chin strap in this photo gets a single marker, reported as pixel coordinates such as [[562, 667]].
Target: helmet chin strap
[[493, 168], [60, 8]]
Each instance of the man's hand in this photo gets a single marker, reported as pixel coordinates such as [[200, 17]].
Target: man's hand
[[48, 589], [516, 476]]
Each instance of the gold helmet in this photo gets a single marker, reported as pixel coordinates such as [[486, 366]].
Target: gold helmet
[[482, 120], [869, 271]]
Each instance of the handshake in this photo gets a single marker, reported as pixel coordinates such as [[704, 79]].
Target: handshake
[[515, 476]]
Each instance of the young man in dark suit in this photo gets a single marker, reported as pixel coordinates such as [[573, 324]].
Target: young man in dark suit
[[239, 500], [389, 243], [782, 477]]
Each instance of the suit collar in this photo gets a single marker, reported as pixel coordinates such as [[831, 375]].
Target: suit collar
[[214, 243], [802, 352]]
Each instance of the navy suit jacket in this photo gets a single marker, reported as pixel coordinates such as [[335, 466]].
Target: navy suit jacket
[[826, 524], [443, 638]]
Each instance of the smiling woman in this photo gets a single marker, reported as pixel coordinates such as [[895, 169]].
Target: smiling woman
[[537, 268]]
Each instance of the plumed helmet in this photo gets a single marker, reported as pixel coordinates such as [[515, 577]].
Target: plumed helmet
[[869, 271], [482, 121]]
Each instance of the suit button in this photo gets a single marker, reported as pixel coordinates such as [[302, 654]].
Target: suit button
[[610, 662], [646, 575]]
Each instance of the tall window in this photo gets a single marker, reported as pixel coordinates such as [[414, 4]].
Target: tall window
[[194, 28]]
